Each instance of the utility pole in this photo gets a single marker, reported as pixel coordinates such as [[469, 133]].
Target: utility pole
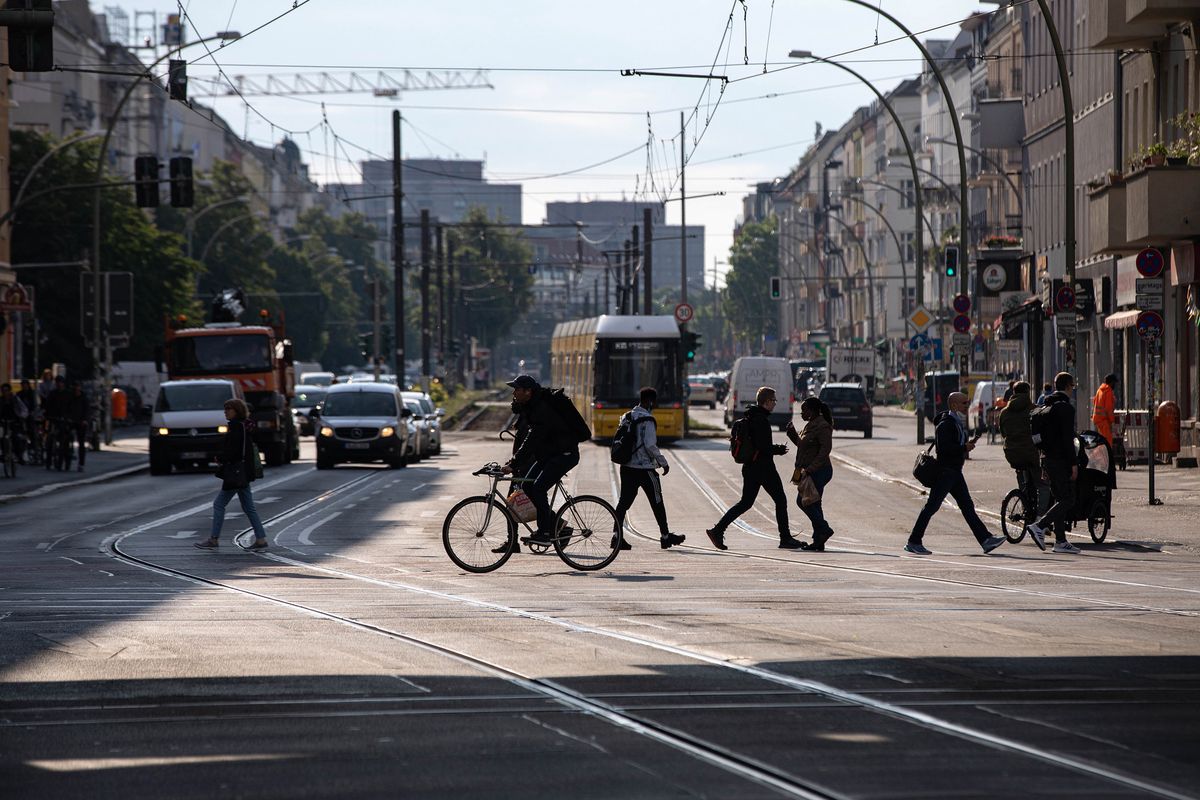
[[377, 319], [633, 261], [451, 334], [595, 297], [425, 337], [682, 211], [627, 280], [648, 260], [398, 247], [441, 299], [604, 306]]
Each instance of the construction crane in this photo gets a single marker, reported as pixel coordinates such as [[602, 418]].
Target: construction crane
[[384, 84]]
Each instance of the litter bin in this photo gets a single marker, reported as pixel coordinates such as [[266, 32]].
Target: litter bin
[[120, 403], [1166, 427]]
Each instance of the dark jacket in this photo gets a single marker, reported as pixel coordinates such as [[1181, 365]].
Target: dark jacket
[[1019, 448], [236, 447], [548, 432], [813, 443], [522, 460], [760, 435], [1059, 442], [949, 442]]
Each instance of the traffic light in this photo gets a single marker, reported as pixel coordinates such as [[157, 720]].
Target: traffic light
[[183, 193], [776, 287], [145, 172], [177, 79], [691, 343], [30, 35], [951, 260], [364, 345]]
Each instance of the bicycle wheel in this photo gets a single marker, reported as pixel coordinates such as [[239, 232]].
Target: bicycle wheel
[[474, 529], [587, 527], [1013, 513], [1099, 521]]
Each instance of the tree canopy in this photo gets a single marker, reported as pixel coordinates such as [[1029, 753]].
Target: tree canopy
[[753, 260]]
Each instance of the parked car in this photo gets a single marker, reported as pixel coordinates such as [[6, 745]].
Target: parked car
[[751, 372], [423, 443], [307, 396], [361, 422], [701, 391], [187, 424], [849, 406], [433, 415]]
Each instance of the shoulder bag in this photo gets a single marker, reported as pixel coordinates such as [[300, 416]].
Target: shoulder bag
[[925, 468], [235, 473]]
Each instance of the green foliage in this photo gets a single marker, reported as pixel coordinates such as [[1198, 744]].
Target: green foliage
[[753, 259], [493, 277]]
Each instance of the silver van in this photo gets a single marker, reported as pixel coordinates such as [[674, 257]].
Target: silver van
[[751, 372], [187, 423]]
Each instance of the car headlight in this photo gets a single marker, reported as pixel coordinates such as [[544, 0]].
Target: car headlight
[[327, 431], [388, 431], [163, 431], [222, 429]]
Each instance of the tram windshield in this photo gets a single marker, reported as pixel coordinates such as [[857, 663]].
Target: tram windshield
[[624, 366]]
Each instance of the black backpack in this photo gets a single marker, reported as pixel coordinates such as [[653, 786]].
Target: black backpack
[[625, 440], [572, 419], [740, 444], [1041, 424]]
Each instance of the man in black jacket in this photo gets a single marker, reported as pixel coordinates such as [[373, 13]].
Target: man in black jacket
[[550, 445], [1062, 467], [759, 473], [951, 446]]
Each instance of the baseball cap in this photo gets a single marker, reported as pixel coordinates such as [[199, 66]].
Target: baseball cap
[[523, 382]]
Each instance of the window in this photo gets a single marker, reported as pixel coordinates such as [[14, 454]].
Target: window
[[909, 302], [906, 239], [907, 197]]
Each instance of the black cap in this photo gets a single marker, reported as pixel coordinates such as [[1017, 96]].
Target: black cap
[[523, 382]]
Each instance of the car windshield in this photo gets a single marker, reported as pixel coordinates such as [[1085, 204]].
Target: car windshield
[[415, 408], [308, 398], [359, 404], [625, 366], [234, 352], [843, 395], [193, 397]]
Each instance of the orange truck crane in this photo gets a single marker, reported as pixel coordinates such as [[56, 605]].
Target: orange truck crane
[[256, 357]]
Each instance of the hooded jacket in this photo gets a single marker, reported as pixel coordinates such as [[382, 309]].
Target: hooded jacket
[[950, 442], [1019, 448], [1104, 406], [646, 454], [760, 434], [548, 432], [1059, 442], [813, 443]]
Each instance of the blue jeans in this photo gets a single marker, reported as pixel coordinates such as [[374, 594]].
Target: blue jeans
[[815, 514], [247, 500], [541, 477], [950, 482]]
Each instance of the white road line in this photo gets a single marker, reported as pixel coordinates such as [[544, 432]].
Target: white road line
[[271, 499], [73, 561], [418, 486], [303, 537], [183, 535]]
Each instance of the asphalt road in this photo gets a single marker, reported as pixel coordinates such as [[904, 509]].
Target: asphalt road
[[354, 660]]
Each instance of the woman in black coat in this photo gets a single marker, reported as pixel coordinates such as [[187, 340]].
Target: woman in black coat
[[235, 450]]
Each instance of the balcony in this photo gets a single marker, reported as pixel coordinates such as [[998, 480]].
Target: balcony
[[1162, 12], [1106, 220], [1108, 27], [1161, 205]]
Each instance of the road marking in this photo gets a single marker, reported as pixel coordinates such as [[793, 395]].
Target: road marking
[[428, 514], [272, 499], [183, 535], [43, 545], [73, 561], [303, 536], [418, 486]]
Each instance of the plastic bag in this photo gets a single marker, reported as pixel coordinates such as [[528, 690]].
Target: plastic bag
[[521, 506]]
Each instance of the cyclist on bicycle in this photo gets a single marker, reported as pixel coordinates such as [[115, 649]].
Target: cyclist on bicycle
[[12, 414], [550, 447], [1019, 448]]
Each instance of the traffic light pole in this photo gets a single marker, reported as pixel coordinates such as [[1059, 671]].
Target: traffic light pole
[[398, 247], [377, 321]]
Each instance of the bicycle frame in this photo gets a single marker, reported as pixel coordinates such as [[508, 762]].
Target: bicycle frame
[[494, 492]]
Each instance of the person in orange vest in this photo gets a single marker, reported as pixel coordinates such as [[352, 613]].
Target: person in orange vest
[[1104, 406]]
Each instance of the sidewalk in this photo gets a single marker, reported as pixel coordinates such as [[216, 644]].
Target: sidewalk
[[990, 478], [127, 454]]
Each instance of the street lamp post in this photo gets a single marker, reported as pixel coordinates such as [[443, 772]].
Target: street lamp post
[[999, 171], [190, 225]]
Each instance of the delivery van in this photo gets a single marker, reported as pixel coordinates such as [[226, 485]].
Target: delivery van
[[751, 372]]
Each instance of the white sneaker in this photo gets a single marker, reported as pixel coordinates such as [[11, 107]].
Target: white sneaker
[[1066, 547], [1038, 534]]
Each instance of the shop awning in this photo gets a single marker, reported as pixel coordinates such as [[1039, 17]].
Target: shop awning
[[1121, 319], [1011, 320]]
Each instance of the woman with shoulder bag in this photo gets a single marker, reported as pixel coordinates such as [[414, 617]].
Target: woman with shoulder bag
[[236, 472], [813, 445]]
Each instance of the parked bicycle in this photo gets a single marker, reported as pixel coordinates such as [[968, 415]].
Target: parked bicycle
[[480, 532]]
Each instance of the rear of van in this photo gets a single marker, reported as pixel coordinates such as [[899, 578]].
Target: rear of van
[[751, 372]]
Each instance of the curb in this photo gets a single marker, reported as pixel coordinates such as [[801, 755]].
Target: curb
[[53, 487]]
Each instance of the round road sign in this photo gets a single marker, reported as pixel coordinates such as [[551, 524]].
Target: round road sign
[[962, 323], [962, 303], [1150, 262], [1150, 325], [1064, 299], [683, 313], [994, 277]]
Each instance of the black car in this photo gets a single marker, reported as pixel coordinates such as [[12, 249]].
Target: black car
[[849, 405]]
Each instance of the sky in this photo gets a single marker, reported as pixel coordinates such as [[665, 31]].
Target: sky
[[560, 103]]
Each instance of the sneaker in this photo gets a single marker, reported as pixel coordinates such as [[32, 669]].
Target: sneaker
[[717, 538], [992, 542], [623, 544], [670, 540], [504, 548], [540, 537], [259, 544], [813, 546], [1038, 534], [1066, 547], [918, 549], [790, 543], [207, 544]]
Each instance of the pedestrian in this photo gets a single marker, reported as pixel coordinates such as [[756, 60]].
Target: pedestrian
[[813, 446], [235, 450], [1010, 391], [1020, 450], [1104, 406], [641, 472], [1062, 467], [1047, 390], [951, 448], [47, 385], [79, 414], [759, 473], [13, 414]]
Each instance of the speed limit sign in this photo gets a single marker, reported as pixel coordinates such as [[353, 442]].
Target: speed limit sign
[[684, 313]]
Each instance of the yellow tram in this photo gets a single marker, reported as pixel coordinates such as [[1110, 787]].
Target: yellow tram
[[604, 361]]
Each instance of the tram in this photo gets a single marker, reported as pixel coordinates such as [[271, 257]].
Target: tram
[[604, 361]]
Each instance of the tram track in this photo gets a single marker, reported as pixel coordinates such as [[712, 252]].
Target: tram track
[[621, 717]]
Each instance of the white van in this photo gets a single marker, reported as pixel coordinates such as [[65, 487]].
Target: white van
[[751, 372], [188, 422]]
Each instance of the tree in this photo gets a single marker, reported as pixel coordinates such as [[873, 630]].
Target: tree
[[493, 277], [753, 260]]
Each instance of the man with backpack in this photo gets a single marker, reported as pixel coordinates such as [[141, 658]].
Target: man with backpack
[[555, 431], [635, 449], [1054, 423], [750, 444]]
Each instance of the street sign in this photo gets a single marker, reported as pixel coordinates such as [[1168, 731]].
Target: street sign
[[1150, 285], [1149, 302], [962, 323], [1150, 262], [684, 313], [995, 276], [1065, 324], [919, 341], [920, 318], [1064, 299], [961, 342], [15, 298], [116, 304], [962, 303], [1150, 325]]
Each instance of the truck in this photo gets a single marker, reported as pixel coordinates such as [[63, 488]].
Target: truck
[[256, 357], [852, 365]]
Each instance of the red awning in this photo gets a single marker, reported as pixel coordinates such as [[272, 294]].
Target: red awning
[[1121, 319]]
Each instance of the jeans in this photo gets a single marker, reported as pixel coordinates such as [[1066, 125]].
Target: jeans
[[247, 500], [1062, 489], [950, 482], [755, 476], [815, 514], [633, 479], [544, 473]]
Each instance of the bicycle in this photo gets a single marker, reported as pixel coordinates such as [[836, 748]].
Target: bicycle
[[1021, 506], [62, 441], [8, 447], [479, 526]]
